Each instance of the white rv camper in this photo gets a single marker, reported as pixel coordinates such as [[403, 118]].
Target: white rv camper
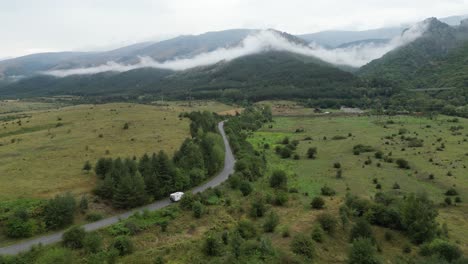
[[175, 197]]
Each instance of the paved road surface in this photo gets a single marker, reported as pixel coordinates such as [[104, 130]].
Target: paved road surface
[[56, 237]]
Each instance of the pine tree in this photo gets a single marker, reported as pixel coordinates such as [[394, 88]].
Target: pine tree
[[164, 176], [131, 166], [130, 191], [144, 166], [103, 166], [139, 196], [118, 170], [106, 190], [122, 192]]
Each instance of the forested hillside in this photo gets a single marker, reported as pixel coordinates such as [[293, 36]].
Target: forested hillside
[[436, 59], [261, 76]]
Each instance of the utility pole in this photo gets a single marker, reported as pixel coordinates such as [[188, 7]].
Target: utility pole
[[189, 96]]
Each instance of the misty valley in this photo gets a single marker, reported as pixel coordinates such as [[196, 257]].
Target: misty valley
[[245, 145]]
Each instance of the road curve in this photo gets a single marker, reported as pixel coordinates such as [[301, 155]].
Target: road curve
[[56, 237]]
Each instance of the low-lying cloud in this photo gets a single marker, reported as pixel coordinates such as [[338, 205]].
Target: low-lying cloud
[[355, 56]]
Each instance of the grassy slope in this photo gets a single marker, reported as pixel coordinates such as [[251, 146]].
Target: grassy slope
[[310, 175], [46, 160]]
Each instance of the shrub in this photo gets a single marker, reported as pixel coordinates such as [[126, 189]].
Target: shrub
[[328, 222], [415, 143], [285, 153], [87, 166], [83, 203], [402, 164], [318, 234], [406, 248], [279, 180], [285, 141], [56, 256], [246, 229], [271, 222], [132, 228], [441, 248], [188, 199], [317, 203], [281, 198], [396, 186], [245, 188], [327, 191], [448, 201], [358, 149], [19, 225], [338, 137], [451, 192], [418, 217], [257, 207], [303, 245], [212, 246], [312, 153], [458, 199], [363, 252], [92, 243], [336, 165], [234, 182], [123, 245], [378, 155], [197, 209], [339, 174], [93, 217], [163, 224], [362, 229], [59, 211], [74, 237]]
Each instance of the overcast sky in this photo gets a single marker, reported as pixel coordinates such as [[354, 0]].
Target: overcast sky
[[31, 26]]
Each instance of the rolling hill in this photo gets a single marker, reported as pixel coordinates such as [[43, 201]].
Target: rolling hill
[[260, 76], [436, 59]]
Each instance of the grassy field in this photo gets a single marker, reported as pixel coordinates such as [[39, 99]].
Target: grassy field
[[308, 176], [42, 153], [15, 106], [184, 238]]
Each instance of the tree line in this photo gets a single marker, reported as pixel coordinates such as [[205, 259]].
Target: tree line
[[129, 183]]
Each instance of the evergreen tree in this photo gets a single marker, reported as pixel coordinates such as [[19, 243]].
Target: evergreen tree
[[190, 156], [164, 176], [122, 193], [118, 170], [144, 166], [130, 191], [103, 166], [131, 165]]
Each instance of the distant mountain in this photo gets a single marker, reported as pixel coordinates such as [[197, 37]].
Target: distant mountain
[[260, 76], [336, 38], [183, 46], [437, 59], [363, 42]]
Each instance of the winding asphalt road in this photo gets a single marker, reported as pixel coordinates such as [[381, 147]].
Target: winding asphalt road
[[56, 237]]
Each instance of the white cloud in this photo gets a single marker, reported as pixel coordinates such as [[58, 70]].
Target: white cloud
[[355, 56], [68, 25]]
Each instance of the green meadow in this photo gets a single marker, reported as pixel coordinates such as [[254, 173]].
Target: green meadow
[[335, 137]]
